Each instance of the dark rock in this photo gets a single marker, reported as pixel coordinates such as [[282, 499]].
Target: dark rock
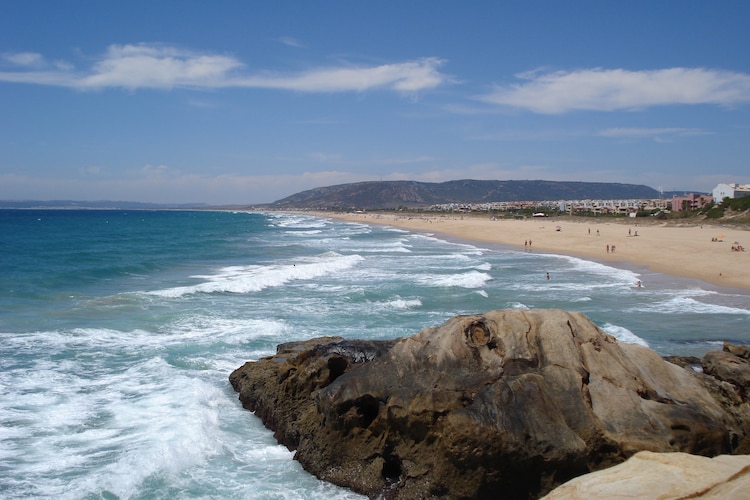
[[278, 389], [507, 404], [741, 351], [727, 367], [727, 377], [686, 362]]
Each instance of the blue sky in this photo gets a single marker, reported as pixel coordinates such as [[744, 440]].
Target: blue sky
[[249, 102]]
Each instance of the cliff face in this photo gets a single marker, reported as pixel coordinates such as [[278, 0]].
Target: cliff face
[[509, 403]]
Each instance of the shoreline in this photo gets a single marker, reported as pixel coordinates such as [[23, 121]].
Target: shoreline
[[703, 251]]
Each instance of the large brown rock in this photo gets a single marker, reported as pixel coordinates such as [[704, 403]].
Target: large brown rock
[[506, 404]]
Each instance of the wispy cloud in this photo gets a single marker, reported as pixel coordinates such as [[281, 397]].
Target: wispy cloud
[[530, 135], [325, 157], [404, 77], [166, 67], [656, 134], [22, 58], [291, 42], [619, 89]]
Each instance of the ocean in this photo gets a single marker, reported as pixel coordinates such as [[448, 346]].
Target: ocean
[[119, 329]]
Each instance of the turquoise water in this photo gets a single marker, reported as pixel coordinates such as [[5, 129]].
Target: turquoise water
[[119, 329]]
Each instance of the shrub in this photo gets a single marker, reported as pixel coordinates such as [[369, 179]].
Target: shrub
[[715, 213], [739, 204]]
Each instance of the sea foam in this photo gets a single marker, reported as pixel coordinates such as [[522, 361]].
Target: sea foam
[[623, 334], [687, 304], [471, 279], [254, 278]]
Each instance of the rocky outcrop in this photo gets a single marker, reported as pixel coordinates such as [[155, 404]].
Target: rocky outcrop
[[505, 404], [664, 475], [726, 375]]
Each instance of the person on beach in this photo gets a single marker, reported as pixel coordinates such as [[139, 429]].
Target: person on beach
[[607, 248]]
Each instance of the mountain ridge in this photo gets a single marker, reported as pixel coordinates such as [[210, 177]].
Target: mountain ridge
[[414, 194]]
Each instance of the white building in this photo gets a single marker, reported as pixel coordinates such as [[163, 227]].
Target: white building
[[722, 191]]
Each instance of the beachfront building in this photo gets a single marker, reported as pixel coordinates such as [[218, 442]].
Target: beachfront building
[[609, 207], [722, 191], [691, 202], [594, 207]]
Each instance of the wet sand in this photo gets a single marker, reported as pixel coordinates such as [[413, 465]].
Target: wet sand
[[694, 251]]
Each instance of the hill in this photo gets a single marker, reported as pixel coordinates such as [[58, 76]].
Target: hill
[[411, 194]]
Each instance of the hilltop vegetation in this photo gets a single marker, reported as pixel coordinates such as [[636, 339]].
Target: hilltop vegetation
[[730, 209], [392, 195]]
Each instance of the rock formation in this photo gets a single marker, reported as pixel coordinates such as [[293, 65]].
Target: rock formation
[[664, 475], [506, 404]]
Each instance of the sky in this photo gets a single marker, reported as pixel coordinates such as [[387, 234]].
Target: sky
[[243, 102]]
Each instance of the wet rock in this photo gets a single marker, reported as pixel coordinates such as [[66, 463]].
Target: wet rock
[[279, 389], [505, 404]]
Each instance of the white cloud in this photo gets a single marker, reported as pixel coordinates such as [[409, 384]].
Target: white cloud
[[657, 134], [143, 66], [619, 89], [291, 42], [405, 77], [530, 135], [165, 67], [23, 58]]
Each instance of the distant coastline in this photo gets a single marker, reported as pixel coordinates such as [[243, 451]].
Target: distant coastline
[[93, 205]]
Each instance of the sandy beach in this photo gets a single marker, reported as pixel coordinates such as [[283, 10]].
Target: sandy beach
[[695, 251]]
